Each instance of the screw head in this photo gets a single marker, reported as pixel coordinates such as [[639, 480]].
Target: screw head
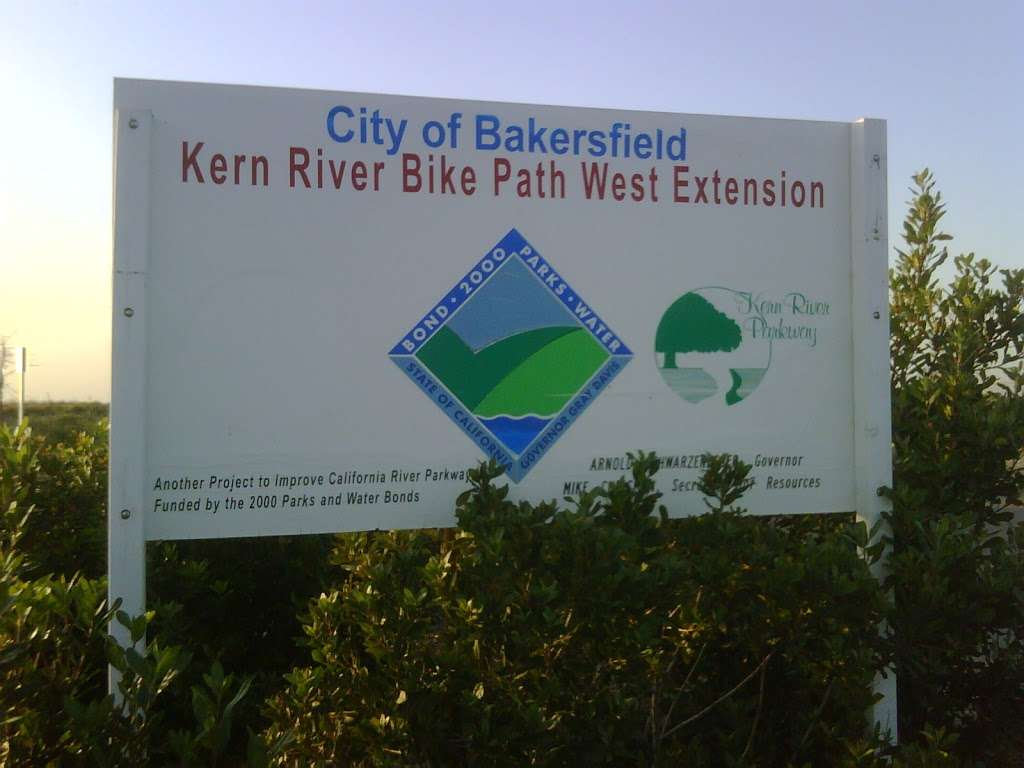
[[128, 311], [133, 123], [125, 514]]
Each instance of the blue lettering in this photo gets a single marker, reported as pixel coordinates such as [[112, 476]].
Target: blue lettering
[[341, 138], [487, 129], [514, 138], [433, 134], [676, 146], [537, 137], [559, 141]]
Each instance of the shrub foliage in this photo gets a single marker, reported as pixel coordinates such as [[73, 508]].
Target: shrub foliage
[[601, 634], [958, 433]]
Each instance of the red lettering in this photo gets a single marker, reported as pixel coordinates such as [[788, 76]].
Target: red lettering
[[702, 192], [680, 182], [190, 162], [638, 187], [594, 180], [259, 162], [618, 186], [447, 176], [732, 191], [411, 181], [750, 192], [502, 173], [468, 180], [817, 194], [358, 175], [298, 162], [523, 187], [557, 177], [218, 165], [337, 172], [798, 201]]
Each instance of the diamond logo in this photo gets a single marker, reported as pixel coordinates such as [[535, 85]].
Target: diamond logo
[[512, 354]]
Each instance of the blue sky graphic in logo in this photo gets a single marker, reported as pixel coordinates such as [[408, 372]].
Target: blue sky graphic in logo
[[512, 354]]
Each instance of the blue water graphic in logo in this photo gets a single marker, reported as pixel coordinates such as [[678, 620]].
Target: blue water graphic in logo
[[517, 434]]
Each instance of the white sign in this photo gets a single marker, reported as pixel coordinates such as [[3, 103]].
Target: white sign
[[453, 281]]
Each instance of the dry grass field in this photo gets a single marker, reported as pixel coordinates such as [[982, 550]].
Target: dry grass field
[[57, 421]]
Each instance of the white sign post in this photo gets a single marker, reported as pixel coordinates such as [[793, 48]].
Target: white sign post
[[454, 281], [872, 429], [20, 366]]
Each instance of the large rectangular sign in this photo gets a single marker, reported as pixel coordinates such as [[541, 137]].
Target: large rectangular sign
[[328, 306]]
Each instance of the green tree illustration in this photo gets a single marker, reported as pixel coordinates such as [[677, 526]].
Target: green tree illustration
[[692, 324]]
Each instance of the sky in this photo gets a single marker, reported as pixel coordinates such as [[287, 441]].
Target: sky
[[948, 80]]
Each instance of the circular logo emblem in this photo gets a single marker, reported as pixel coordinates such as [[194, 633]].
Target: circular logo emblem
[[708, 347]]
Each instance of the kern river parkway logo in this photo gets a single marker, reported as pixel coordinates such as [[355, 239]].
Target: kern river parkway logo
[[512, 354]]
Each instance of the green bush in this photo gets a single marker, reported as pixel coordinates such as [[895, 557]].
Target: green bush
[[236, 603], [604, 634], [66, 485], [957, 566], [54, 705], [59, 700]]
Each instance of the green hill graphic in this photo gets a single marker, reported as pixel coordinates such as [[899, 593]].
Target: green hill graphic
[[533, 372], [544, 382]]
